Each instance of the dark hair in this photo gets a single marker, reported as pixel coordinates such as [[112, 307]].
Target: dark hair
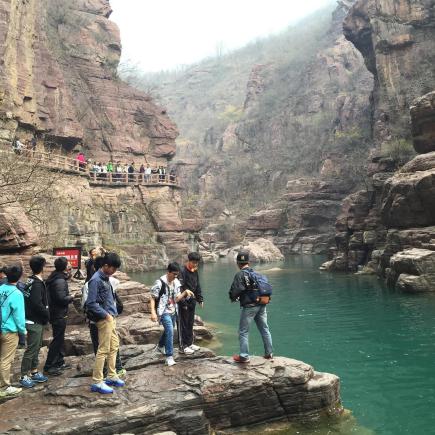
[[14, 273], [194, 256], [90, 251], [37, 263], [98, 262], [60, 264], [3, 269], [112, 259], [174, 267]]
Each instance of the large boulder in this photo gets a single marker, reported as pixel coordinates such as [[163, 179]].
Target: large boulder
[[423, 123]]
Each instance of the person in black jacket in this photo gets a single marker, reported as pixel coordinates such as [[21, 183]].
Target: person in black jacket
[[250, 310], [59, 300], [37, 315], [186, 308]]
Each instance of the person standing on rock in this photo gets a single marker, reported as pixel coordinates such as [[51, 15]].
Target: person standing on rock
[[250, 310], [59, 300], [13, 321], [37, 316], [186, 308], [165, 295], [102, 304]]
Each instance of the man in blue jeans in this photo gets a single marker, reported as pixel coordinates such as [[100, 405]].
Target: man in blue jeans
[[165, 296], [241, 290]]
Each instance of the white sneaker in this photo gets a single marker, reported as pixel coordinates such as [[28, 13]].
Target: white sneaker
[[12, 391], [188, 351], [194, 347], [159, 349], [170, 361]]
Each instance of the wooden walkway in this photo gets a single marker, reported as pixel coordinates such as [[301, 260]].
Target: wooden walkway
[[72, 166]]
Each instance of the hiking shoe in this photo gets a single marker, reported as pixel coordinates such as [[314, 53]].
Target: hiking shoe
[[101, 388], [194, 347], [11, 391], [170, 361], [53, 371], [114, 382], [270, 356], [187, 351], [26, 382], [121, 373], [38, 377], [241, 359]]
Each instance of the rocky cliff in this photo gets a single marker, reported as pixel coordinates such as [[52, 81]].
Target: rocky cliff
[[390, 227], [58, 79]]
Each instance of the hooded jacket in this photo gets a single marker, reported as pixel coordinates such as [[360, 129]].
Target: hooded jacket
[[58, 295], [37, 302], [240, 289]]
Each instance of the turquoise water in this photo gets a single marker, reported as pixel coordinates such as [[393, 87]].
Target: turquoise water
[[379, 342]]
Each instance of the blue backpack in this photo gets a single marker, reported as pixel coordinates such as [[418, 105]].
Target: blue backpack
[[261, 287]]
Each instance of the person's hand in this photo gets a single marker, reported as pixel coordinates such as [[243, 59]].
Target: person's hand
[[201, 304], [189, 293], [109, 318], [154, 316]]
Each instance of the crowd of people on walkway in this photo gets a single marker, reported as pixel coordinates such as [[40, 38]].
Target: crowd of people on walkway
[[26, 307]]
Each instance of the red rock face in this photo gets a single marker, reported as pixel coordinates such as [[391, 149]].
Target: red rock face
[[59, 78]]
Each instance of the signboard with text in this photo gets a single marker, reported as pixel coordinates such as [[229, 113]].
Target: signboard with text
[[74, 255]]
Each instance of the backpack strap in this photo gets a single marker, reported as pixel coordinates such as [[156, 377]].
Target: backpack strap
[[10, 312]]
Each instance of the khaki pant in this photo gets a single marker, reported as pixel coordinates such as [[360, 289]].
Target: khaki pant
[[108, 345], [8, 347]]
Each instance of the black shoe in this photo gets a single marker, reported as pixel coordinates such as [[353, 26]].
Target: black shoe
[[65, 366], [53, 371]]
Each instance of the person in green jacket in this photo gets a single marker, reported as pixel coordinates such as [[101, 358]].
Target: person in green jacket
[[109, 166], [13, 321]]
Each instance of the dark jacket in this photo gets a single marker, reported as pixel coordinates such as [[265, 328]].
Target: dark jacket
[[240, 289], [90, 269], [37, 303], [190, 281], [58, 295], [101, 300]]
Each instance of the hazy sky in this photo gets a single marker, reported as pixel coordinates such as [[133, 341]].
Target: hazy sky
[[161, 34]]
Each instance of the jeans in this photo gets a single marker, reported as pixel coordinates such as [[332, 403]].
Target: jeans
[[56, 352], [34, 342], [259, 314], [167, 338]]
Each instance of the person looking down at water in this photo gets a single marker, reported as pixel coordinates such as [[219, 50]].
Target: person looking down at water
[[186, 308], [166, 294], [250, 310], [101, 303]]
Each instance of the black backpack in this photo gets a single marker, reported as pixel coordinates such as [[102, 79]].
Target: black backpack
[[161, 293]]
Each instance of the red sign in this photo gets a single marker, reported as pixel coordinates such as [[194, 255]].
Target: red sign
[[74, 255]]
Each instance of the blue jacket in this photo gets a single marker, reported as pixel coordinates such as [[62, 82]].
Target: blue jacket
[[12, 306], [100, 299]]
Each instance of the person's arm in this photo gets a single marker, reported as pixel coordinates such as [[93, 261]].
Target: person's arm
[[237, 287], [18, 311], [92, 304], [60, 293], [155, 290], [199, 296], [36, 300], [183, 295]]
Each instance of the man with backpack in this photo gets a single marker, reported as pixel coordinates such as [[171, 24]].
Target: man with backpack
[[59, 297], [165, 295], [101, 308], [247, 288], [37, 315], [12, 321], [186, 308]]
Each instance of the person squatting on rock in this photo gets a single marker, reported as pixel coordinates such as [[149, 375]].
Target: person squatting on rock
[[93, 330], [250, 310], [165, 296], [189, 279], [101, 303], [37, 316], [59, 300], [13, 320]]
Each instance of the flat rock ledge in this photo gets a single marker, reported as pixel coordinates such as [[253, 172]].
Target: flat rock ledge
[[202, 394]]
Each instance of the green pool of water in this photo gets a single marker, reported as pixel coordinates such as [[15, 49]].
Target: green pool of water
[[379, 342]]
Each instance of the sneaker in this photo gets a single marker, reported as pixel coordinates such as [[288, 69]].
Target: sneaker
[[114, 382], [269, 356], [101, 388], [12, 391], [26, 382], [53, 371], [121, 373], [161, 350], [195, 348], [65, 366], [241, 359], [170, 361], [187, 351], [38, 377]]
